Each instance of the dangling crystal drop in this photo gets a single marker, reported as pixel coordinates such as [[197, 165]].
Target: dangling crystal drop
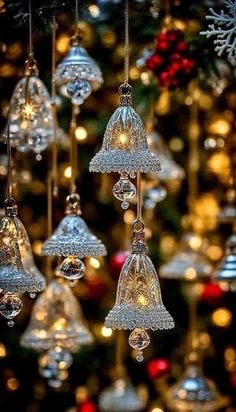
[[72, 268], [139, 340], [79, 90], [48, 367], [10, 307], [124, 190], [62, 357], [32, 295]]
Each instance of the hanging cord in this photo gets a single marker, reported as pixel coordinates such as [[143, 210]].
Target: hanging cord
[[193, 158], [55, 124], [48, 260], [31, 52], [119, 355], [9, 164], [139, 197], [77, 13], [126, 49], [73, 149]]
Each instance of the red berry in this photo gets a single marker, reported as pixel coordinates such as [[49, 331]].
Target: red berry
[[162, 46], [182, 46], [164, 79], [176, 57], [162, 37], [154, 62], [188, 65], [174, 68]]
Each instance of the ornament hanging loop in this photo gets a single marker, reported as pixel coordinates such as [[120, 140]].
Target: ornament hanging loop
[[138, 226], [125, 92]]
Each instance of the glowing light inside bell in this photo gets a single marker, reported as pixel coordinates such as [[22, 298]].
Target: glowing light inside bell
[[29, 111], [123, 138], [142, 300], [59, 324]]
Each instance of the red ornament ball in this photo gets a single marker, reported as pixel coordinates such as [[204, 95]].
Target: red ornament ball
[[157, 368], [117, 261], [96, 288], [87, 406], [212, 293]]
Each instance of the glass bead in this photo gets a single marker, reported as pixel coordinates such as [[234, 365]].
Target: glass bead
[[139, 339], [10, 323], [10, 306], [48, 367], [79, 90], [72, 268], [61, 357], [139, 357], [125, 205], [124, 189], [32, 295]]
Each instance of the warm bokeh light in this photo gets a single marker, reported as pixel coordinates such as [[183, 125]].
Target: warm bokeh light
[[67, 172], [222, 317], [12, 384], [176, 144], [129, 217], [190, 273], [214, 252], [3, 351], [220, 126], [94, 11], [94, 262], [81, 133], [106, 332], [63, 43]]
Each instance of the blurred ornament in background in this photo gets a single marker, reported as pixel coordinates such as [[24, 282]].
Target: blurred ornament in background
[[56, 321], [170, 170], [14, 277], [125, 146], [189, 263], [139, 305], [72, 237], [158, 367], [78, 74], [226, 271], [120, 397], [228, 211], [53, 366], [153, 196], [30, 117], [155, 8], [117, 261], [194, 392]]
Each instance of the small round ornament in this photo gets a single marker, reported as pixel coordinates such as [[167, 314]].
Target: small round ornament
[[124, 190], [10, 307], [72, 268], [62, 357], [139, 339], [157, 368], [79, 90], [48, 367]]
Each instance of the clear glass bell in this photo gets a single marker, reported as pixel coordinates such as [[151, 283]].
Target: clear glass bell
[[72, 237], [78, 74], [194, 392], [170, 170], [10, 307], [189, 263], [120, 397], [56, 321], [138, 300], [14, 277], [30, 117], [226, 271], [125, 147]]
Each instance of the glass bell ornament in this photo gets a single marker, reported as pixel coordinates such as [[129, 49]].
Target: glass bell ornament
[[10, 307], [72, 237], [14, 277], [194, 392], [228, 211], [56, 321], [189, 263], [120, 397], [139, 303], [78, 74], [153, 196], [170, 170], [124, 190], [72, 268], [30, 117], [125, 148], [226, 271]]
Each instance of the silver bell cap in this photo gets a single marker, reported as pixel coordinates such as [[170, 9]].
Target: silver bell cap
[[125, 148], [226, 271], [56, 320], [73, 237], [194, 392], [189, 263], [120, 397], [14, 277], [77, 65], [139, 300]]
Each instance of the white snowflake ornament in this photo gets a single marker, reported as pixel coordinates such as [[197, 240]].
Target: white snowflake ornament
[[223, 27]]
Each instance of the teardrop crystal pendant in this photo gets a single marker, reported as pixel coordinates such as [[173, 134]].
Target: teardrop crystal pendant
[[30, 118], [124, 190], [170, 170], [78, 74], [72, 268], [56, 321], [189, 263], [10, 307], [139, 340], [72, 237], [125, 147], [14, 277], [138, 300], [226, 271]]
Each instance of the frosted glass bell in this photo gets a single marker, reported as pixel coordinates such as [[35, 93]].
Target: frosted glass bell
[[170, 170], [72, 237], [30, 117], [226, 271], [120, 397], [194, 392], [189, 263], [56, 321], [78, 74], [138, 300], [14, 277], [125, 148]]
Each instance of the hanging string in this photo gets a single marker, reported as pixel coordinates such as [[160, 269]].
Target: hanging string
[[126, 49], [30, 30], [120, 345], [77, 13], [139, 197], [55, 124], [9, 164], [73, 149]]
